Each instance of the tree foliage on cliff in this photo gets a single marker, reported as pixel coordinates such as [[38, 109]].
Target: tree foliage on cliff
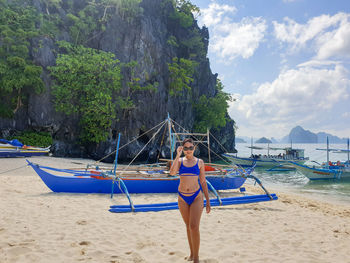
[[88, 84], [184, 10], [86, 81], [211, 112], [181, 75], [19, 76]]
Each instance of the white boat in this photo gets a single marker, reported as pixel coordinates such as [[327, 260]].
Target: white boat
[[270, 162], [328, 170], [321, 173]]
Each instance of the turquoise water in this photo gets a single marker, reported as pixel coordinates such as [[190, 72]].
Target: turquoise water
[[294, 181]]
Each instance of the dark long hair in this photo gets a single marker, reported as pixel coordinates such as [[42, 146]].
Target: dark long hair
[[187, 140]]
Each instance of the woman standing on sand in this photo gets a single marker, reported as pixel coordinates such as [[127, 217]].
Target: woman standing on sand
[[192, 183]]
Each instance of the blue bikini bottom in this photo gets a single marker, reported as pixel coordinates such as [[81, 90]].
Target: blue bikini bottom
[[190, 198]]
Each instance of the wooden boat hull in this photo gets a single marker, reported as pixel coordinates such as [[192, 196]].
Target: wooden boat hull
[[318, 173], [90, 183]]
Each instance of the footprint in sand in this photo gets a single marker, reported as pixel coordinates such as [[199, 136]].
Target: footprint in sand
[[17, 251], [209, 260], [81, 222], [85, 243]]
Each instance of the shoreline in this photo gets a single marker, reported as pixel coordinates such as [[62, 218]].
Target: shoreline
[[41, 226]]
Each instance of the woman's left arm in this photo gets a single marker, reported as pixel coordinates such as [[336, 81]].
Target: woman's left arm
[[203, 182]]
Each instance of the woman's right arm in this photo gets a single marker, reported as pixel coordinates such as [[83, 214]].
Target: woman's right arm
[[175, 165]]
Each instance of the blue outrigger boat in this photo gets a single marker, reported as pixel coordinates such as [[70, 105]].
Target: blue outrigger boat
[[94, 181], [146, 181], [14, 148]]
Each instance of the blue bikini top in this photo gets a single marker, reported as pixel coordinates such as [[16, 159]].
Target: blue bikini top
[[189, 171]]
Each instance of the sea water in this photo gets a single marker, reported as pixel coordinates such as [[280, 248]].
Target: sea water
[[294, 181]]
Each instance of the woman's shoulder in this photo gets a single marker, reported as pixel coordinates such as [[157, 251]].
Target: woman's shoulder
[[200, 162]]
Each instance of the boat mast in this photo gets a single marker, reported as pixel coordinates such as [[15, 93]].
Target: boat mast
[[115, 165], [348, 152], [208, 145], [116, 156], [251, 146], [327, 151], [170, 140]]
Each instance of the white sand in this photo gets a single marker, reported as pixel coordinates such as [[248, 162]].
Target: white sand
[[37, 225]]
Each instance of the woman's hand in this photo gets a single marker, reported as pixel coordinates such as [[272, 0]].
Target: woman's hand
[[179, 150], [208, 207]]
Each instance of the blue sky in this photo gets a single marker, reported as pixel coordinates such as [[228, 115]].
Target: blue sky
[[287, 63]]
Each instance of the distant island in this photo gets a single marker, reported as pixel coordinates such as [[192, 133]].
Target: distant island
[[300, 135], [263, 140], [297, 135], [239, 140]]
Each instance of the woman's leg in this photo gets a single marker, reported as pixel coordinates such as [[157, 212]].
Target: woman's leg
[[185, 213], [195, 214]]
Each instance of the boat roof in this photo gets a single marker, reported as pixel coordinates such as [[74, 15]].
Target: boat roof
[[275, 148]]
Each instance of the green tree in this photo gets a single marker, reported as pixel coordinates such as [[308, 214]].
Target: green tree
[[212, 112], [184, 11], [86, 81], [181, 75], [19, 76]]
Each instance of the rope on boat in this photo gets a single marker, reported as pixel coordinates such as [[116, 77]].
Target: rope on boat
[[160, 124], [239, 169], [161, 144]]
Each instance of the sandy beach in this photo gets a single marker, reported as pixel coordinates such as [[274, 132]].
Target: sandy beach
[[37, 225]]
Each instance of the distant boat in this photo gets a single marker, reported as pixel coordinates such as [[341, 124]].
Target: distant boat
[[268, 161], [322, 173], [15, 148], [328, 170]]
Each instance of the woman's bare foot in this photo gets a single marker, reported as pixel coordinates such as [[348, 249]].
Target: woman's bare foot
[[196, 260], [189, 258]]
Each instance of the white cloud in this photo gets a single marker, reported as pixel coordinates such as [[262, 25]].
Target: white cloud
[[230, 39], [214, 13], [238, 39], [302, 96], [319, 63], [328, 36]]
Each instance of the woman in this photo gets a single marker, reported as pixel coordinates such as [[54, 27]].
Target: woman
[[192, 184]]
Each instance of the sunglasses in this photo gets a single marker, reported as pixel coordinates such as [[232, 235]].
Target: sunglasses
[[191, 148]]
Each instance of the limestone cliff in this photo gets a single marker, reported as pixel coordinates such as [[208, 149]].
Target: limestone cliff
[[143, 39]]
